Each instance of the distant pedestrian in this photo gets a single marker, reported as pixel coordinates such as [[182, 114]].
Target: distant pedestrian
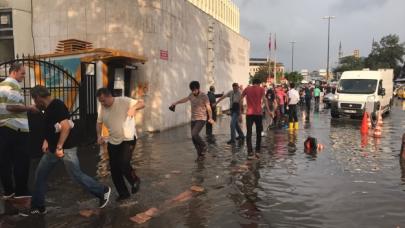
[[255, 97], [234, 106], [293, 100], [113, 113], [59, 145], [273, 106], [282, 97], [317, 95], [14, 133], [212, 97], [200, 108], [308, 98]]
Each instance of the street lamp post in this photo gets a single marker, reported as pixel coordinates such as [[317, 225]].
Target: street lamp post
[[292, 55], [327, 58]]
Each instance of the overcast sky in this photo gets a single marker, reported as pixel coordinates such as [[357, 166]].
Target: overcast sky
[[357, 22]]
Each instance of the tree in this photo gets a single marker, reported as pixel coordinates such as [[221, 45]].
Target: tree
[[388, 53], [293, 76], [349, 63]]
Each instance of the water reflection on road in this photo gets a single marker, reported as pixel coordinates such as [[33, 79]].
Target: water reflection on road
[[355, 181]]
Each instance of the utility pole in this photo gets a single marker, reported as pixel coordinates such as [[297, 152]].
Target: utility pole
[[327, 58], [292, 55]]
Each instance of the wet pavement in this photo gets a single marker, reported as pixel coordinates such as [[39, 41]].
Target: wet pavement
[[354, 182]]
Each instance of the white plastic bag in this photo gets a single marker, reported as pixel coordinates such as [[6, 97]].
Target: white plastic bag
[[129, 127]]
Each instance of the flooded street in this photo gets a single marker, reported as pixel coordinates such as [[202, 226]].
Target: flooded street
[[354, 182]]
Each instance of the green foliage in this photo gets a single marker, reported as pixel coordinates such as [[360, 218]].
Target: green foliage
[[293, 76], [388, 53], [349, 63]]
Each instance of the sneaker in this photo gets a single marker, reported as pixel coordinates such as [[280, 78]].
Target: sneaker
[[136, 185], [9, 196], [106, 198], [251, 156], [230, 142], [33, 212], [240, 138]]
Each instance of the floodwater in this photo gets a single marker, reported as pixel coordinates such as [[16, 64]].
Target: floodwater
[[354, 182]]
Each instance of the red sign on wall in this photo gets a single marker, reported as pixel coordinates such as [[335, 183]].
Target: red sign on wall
[[164, 54]]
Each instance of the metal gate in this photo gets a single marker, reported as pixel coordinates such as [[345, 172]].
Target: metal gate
[[79, 97], [88, 102], [60, 83]]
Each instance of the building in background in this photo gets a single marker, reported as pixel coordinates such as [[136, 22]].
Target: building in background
[[256, 63], [305, 75], [177, 41], [356, 53], [224, 11]]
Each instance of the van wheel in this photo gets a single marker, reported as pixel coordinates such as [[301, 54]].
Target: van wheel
[[389, 108], [334, 114]]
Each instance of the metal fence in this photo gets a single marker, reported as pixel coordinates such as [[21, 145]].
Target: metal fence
[[61, 84]]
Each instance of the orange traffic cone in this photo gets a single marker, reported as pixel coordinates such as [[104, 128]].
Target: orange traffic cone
[[377, 131], [380, 119], [364, 124], [369, 122]]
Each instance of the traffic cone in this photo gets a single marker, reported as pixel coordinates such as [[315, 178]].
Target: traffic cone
[[380, 121], [364, 124], [369, 122], [377, 131]]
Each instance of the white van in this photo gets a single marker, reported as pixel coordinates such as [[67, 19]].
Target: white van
[[358, 91]]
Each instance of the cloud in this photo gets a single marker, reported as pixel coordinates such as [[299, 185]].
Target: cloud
[[356, 23], [352, 6]]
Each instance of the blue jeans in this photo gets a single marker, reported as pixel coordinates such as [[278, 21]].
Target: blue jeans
[[235, 126], [71, 162]]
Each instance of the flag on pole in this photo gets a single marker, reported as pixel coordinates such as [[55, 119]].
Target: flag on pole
[[270, 42]]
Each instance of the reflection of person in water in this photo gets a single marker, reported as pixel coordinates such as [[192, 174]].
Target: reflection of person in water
[[402, 153], [250, 182]]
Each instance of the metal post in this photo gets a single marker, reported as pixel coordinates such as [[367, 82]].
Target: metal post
[[327, 57], [292, 55]]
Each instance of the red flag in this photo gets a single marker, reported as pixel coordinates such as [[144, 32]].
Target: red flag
[[270, 42], [275, 41]]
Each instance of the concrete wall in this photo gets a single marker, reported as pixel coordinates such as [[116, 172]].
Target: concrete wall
[[21, 13], [145, 27]]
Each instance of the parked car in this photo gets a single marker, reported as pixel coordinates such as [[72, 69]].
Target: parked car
[[328, 98], [358, 88]]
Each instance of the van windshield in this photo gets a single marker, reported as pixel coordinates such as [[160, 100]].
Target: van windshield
[[357, 86]]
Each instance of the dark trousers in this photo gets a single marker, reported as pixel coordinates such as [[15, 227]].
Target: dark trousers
[[120, 164], [308, 105], [293, 113], [257, 120], [208, 126], [199, 144], [14, 161]]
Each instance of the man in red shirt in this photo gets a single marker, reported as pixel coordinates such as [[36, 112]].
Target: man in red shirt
[[255, 97]]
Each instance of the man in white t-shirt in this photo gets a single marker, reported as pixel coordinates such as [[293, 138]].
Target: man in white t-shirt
[[293, 99], [113, 113]]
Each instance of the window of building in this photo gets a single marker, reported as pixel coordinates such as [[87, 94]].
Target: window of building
[[6, 35]]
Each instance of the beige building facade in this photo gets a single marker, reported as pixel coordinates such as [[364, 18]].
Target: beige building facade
[[180, 41]]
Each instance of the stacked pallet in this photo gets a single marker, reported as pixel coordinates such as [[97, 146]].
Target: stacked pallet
[[72, 45]]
